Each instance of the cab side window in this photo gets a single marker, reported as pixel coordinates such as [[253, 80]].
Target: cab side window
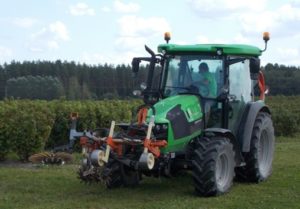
[[240, 83]]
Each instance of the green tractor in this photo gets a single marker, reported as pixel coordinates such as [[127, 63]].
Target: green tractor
[[203, 112]]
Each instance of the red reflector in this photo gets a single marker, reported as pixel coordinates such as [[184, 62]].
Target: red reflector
[[83, 140]]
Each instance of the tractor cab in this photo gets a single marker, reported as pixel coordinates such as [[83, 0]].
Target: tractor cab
[[221, 77]]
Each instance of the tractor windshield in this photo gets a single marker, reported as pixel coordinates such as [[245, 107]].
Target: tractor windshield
[[194, 74]]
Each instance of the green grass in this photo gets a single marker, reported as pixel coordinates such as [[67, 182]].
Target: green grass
[[58, 187]]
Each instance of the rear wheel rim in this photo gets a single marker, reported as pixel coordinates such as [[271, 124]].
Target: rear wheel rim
[[222, 170], [264, 153]]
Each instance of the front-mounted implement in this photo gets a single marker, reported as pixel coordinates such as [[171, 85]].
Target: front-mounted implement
[[113, 158], [201, 113]]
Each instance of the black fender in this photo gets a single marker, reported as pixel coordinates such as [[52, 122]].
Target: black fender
[[211, 132], [247, 123]]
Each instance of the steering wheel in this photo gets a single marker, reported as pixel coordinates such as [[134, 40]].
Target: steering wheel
[[203, 88]]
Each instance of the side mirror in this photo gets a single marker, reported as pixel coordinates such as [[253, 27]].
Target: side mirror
[[135, 65], [254, 65]]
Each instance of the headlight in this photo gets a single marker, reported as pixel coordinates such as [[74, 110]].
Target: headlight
[[161, 131], [157, 127], [161, 127]]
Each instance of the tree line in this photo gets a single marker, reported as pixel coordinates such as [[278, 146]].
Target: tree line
[[282, 80], [69, 80], [74, 81]]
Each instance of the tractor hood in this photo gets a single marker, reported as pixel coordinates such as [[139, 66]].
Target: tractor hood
[[183, 118], [188, 104]]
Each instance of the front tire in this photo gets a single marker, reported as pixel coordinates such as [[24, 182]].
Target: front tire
[[213, 166], [116, 175], [130, 177], [112, 174]]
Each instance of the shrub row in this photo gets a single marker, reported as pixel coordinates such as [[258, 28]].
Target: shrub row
[[285, 114], [27, 127], [24, 127]]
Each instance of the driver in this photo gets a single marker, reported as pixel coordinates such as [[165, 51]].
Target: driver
[[207, 80], [208, 84]]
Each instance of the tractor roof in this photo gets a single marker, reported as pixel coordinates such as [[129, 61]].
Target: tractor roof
[[229, 49]]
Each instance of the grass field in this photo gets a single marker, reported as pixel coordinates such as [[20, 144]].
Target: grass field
[[58, 187]]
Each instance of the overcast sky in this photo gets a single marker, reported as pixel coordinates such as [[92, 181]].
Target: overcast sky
[[113, 31]]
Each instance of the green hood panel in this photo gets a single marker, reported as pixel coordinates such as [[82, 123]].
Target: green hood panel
[[170, 107], [188, 103]]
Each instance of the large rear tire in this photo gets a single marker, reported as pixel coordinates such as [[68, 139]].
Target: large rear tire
[[213, 166], [259, 160]]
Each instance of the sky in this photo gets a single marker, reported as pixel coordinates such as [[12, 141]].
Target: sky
[[114, 31]]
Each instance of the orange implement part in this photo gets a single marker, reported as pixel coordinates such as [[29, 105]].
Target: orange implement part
[[83, 140], [153, 146], [74, 115], [261, 85], [116, 147], [142, 114]]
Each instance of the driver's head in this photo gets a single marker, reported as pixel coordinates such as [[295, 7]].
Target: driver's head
[[203, 67]]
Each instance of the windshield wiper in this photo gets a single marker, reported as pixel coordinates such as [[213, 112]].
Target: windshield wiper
[[178, 87]]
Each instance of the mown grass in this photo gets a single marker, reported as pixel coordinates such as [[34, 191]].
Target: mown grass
[[58, 187]]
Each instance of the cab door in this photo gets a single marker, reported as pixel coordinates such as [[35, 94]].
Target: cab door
[[240, 88]]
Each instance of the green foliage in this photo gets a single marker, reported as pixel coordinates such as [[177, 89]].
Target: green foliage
[[286, 114], [34, 87], [282, 80], [27, 127], [5, 146], [78, 81], [92, 114]]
